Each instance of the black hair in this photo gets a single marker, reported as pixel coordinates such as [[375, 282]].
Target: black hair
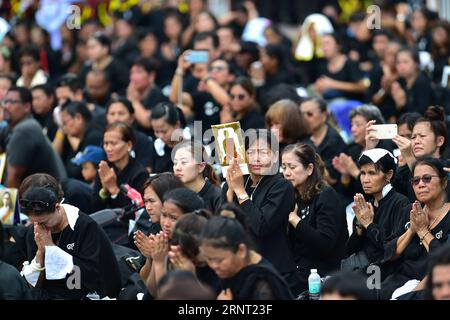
[[125, 130], [162, 183], [409, 118], [45, 195], [46, 88], [144, 32], [347, 284], [24, 93], [169, 112], [275, 51], [369, 112], [186, 234], [413, 53], [339, 41], [104, 73], [224, 233], [440, 257], [42, 180], [323, 106], [434, 163], [183, 285], [231, 210], [435, 116], [8, 77], [124, 101], [202, 36], [187, 200], [383, 32], [77, 107], [148, 65], [103, 39], [70, 80], [30, 51]]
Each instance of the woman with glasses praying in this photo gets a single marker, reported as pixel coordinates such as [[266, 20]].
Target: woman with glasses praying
[[243, 106], [70, 256], [427, 230]]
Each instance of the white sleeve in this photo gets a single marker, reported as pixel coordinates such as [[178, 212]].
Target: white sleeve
[[58, 263], [30, 273]]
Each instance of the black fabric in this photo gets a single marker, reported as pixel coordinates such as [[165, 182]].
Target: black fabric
[[164, 163], [134, 174], [258, 282], [211, 195], [15, 249], [207, 276], [268, 215], [331, 146], [252, 120], [206, 109], [94, 137], [118, 74], [92, 253], [27, 146], [12, 285], [77, 193], [387, 106], [48, 124], [318, 241], [145, 150], [420, 96], [388, 215]]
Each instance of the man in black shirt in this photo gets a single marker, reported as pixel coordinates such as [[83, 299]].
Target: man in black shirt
[[28, 150]]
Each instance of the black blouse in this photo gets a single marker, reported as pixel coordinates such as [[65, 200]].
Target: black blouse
[[211, 195]]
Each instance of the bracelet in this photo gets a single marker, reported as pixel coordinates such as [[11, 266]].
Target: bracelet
[[103, 194], [36, 266]]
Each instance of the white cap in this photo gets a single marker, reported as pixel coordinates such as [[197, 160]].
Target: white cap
[[313, 270]]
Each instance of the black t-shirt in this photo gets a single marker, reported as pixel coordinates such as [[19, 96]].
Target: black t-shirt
[[331, 146], [350, 72], [206, 108], [211, 195], [12, 285], [27, 146], [163, 163], [48, 125], [252, 120], [154, 97], [420, 96], [92, 137], [145, 150]]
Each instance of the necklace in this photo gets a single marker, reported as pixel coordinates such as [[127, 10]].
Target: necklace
[[437, 217], [256, 187]]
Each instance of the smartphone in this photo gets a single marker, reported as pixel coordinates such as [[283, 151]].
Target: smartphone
[[197, 56], [385, 131]]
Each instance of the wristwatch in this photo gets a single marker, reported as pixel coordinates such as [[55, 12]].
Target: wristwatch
[[243, 197]]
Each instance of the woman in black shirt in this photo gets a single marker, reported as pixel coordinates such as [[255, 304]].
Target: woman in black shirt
[[166, 118], [189, 164], [244, 273], [340, 77], [119, 169], [267, 199], [76, 119], [317, 226], [413, 91], [427, 230]]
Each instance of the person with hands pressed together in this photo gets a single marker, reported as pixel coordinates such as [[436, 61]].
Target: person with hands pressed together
[[375, 220], [63, 242], [427, 230], [120, 168]]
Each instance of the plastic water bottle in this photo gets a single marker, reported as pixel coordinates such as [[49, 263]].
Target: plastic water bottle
[[314, 285]]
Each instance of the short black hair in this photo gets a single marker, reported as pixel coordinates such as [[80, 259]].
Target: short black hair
[[103, 39], [30, 51], [148, 65], [46, 88], [187, 200], [126, 103], [440, 257], [347, 284], [70, 80], [202, 36], [24, 93], [74, 107], [169, 112]]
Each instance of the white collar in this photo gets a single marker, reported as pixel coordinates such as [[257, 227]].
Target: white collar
[[386, 190], [72, 214]]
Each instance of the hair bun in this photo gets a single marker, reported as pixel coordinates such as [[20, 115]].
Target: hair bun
[[435, 113]]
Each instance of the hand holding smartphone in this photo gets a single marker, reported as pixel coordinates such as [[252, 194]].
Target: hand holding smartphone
[[384, 131], [197, 56]]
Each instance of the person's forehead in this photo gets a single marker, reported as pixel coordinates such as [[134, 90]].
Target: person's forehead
[[13, 94]]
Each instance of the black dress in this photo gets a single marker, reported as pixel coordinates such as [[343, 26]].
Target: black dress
[[211, 195], [318, 240]]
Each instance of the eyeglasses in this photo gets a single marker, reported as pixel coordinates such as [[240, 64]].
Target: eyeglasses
[[216, 68], [240, 97], [10, 101], [35, 206], [426, 178]]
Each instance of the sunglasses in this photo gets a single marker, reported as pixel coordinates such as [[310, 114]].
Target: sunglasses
[[10, 101], [35, 206], [238, 96], [426, 178]]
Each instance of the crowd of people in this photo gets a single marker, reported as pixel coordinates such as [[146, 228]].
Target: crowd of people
[[106, 125]]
